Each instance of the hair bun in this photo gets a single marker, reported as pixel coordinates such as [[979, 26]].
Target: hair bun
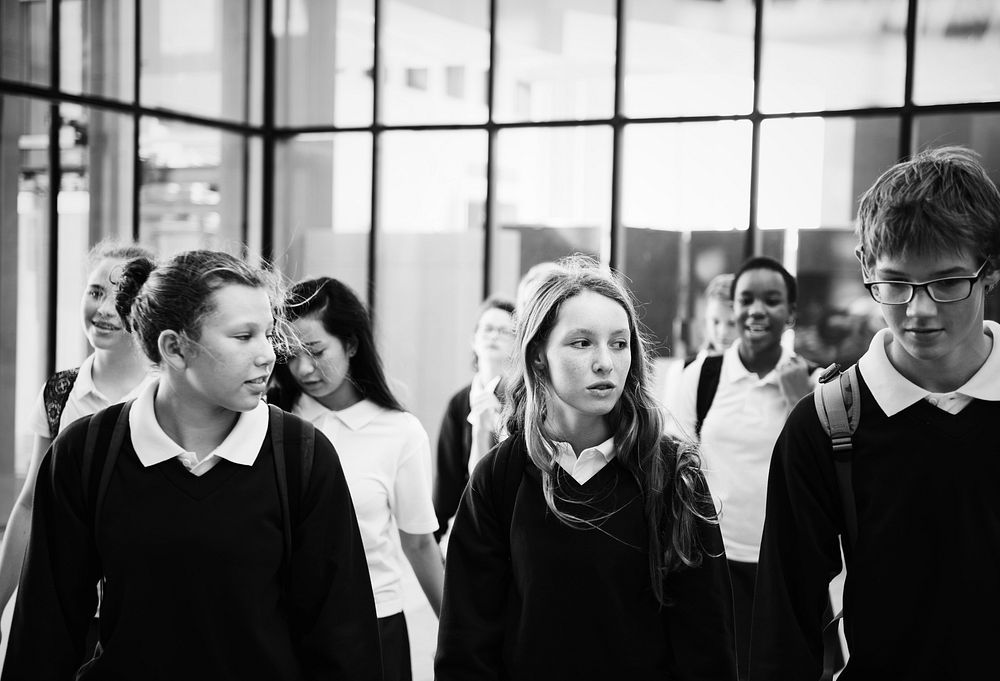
[[133, 275]]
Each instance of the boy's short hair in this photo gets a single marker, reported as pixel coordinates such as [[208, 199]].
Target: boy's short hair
[[762, 262], [941, 200], [720, 288]]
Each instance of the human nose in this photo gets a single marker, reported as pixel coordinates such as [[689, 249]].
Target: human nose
[[921, 304], [602, 360], [300, 366], [107, 307]]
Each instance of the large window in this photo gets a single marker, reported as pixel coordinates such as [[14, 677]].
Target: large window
[[428, 152]]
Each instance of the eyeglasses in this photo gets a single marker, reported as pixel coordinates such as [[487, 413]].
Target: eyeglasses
[[500, 330], [945, 290]]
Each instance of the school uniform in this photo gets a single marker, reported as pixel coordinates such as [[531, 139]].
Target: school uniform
[[386, 458], [84, 399], [737, 438], [539, 599], [192, 552], [923, 579]]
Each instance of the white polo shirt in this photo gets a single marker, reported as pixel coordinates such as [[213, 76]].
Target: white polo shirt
[[153, 445], [590, 462], [894, 392], [83, 399], [737, 439], [386, 457]]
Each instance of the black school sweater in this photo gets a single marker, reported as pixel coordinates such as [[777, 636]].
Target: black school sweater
[[453, 448], [923, 582], [193, 565], [574, 603]]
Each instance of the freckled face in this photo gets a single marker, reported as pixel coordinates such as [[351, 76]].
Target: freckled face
[[233, 356], [587, 358], [101, 323]]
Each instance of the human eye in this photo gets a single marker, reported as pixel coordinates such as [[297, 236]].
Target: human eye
[[621, 344], [580, 343], [950, 287]]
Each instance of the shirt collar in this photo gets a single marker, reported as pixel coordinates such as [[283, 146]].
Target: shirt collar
[[355, 417], [478, 387], [733, 370], [154, 446], [605, 449], [85, 378], [894, 392]]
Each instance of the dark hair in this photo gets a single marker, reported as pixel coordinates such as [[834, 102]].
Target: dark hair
[[939, 201], [177, 295], [494, 303], [667, 470], [343, 315], [762, 262]]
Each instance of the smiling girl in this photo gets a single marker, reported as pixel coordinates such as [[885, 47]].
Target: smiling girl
[[217, 563], [585, 545], [337, 383], [116, 371]]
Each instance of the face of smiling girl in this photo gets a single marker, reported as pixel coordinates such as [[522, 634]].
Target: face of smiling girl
[[587, 358], [101, 322]]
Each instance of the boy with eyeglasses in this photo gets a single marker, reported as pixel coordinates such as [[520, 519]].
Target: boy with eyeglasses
[[923, 574]]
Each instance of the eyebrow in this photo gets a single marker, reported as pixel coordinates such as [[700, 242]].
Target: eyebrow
[[590, 332]]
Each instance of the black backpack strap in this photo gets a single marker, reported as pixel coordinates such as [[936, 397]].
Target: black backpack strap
[[54, 396], [708, 384], [297, 469], [110, 458]]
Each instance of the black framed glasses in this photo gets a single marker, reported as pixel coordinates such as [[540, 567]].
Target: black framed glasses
[[944, 290]]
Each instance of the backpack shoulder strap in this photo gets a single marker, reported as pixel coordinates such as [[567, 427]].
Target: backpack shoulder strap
[[100, 465], [838, 406], [55, 394], [708, 384], [297, 469], [507, 473]]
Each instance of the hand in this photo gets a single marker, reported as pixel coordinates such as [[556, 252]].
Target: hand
[[794, 380]]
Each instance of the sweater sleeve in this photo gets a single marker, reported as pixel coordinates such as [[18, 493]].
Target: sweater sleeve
[[58, 589], [452, 460], [699, 617], [800, 552], [332, 608], [476, 584]]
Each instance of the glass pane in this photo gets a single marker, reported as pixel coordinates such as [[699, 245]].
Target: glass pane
[[429, 274], [553, 198], [436, 56], [827, 54], [957, 50], [323, 186], [202, 57], [193, 192], [324, 55], [814, 170], [979, 132], [688, 57], [97, 42], [24, 41], [555, 60], [24, 271], [95, 202], [685, 209]]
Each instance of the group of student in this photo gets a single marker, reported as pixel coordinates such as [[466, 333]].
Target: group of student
[[237, 502]]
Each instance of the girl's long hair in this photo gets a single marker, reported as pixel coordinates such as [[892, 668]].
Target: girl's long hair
[[343, 315], [667, 471]]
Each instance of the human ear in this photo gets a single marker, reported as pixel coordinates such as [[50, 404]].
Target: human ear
[[172, 349]]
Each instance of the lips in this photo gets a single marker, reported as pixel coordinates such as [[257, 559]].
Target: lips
[[105, 326], [601, 385]]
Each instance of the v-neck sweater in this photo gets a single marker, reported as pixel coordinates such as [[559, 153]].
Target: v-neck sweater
[[195, 573], [923, 579], [575, 602]]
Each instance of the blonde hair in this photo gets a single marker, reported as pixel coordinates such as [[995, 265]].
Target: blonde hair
[[667, 471]]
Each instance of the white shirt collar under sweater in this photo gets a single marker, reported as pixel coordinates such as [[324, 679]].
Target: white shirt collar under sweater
[[894, 392], [590, 462], [355, 417], [154, 446], [734, 370]]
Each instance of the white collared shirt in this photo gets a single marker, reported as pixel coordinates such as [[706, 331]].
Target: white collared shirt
[[386, 456], [737, 439], [894, 392], [153, 445], [84, 399], [482, 401], [590, 462]]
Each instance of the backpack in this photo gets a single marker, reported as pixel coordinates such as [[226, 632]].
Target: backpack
[[99, 468], [55, 395]]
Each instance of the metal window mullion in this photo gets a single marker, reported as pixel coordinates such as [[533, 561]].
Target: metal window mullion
[[616, 256], [376, 143], [489, 221], [136, 119], [55, 181], [906, 117], [268, 138], [752, 244]]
